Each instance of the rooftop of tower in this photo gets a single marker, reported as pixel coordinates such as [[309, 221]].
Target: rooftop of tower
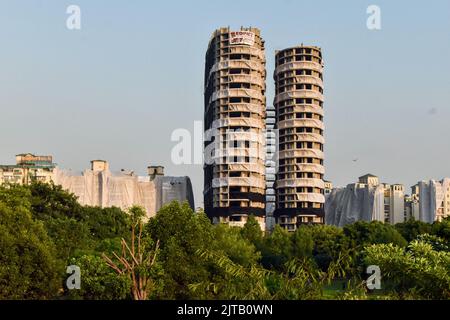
[[299, 46], [228, 29]]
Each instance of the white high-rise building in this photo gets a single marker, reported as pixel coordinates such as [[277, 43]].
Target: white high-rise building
[[434, 200], [366, 200]]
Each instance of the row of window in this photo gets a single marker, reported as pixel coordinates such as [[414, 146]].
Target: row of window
[[291, 161], [300, 130], [301, 145], [298, 58], [301, 204], [300, 175], [237, 144], [290, 52], [239, 100], [300, 190], [292, 101], [302, 86], [298, 72], [301, 115]]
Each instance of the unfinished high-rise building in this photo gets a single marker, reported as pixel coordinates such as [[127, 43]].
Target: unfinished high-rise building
[[299, 114], [234, 93]]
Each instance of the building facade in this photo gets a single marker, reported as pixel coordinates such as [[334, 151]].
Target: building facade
[[434, 200], [28, 168], [99, 186], [367, 200], [235, 110], [271, 167], [394, 203], [299, 117]]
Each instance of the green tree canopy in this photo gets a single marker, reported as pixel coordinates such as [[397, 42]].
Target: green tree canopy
[[29, 268]]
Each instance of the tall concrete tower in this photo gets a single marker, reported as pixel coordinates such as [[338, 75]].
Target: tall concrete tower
[[299, 118], [234, 92]]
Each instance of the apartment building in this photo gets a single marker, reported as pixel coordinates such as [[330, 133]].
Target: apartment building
[[434, 200], [299, 118], [235, 110], [28, 168]]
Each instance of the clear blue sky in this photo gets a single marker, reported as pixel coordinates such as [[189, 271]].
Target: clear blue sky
[[117, 88]]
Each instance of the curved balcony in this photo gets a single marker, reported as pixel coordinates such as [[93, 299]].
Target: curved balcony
[[301, 153], [300, 182], [293, 123], [293, 65], [312, 94]]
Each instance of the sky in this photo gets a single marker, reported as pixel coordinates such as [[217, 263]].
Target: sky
[[117, 88]]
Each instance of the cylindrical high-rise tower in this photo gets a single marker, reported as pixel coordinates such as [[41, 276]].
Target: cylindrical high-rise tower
[[234, 170], [299, 114]]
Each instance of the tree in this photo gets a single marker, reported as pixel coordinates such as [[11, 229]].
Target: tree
[[69, 236], [362, 233], [230, 242], [252, 231], [414, 272], [51, 201], [181, 233], [106, 223], [99, 281], [442, 229], [137, 261], [412, 228], [29, 268], [324, 243], [276, 249]]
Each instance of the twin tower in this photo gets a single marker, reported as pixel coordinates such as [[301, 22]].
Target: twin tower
[[272, 170]]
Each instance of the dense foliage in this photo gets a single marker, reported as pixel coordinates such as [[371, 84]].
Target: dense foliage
[[43, 230]]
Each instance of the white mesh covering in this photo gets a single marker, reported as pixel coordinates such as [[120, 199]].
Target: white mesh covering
[[347, 205], [246, 107], [247, 78], [299, 94], [301, 182], [301, 153], [307, 108], [310, 137], [299, 65], [104, 189], [253, 167], [309, 80], [310, 167], [237, 64], [314, 123], [432, 195], [242, 181], [250, 50], [247, 93]]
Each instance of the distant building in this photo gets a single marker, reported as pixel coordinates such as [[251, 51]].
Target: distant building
[[28, 168], [415, 207], [360, 201], [434, 200], [394, 203], [366, 200], [98, 186], [369, 179], [271, 167], [328, 187]]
